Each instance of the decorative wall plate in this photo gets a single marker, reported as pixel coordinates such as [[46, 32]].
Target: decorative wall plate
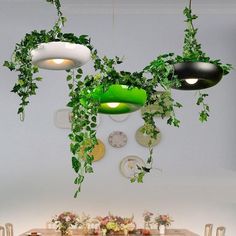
[[62, 118], [128, 165], [117, 139], [143, 139], [119, 118], [98, 151]]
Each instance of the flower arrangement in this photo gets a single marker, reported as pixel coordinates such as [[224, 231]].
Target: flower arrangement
[[147, 217], [83, 221], [64, 221], [165, 220], [114, 224]]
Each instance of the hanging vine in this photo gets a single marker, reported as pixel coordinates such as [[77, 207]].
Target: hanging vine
[[159, 75]]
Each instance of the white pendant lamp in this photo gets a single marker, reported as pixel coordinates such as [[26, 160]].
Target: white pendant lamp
[[60, 55]]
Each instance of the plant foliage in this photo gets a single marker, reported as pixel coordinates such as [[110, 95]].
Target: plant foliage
[[157, 76]]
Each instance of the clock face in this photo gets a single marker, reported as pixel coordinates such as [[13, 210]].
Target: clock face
[[117, 139]]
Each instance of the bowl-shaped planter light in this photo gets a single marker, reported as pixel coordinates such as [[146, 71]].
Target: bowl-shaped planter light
[[60, 55], [119, 99], [197, 75]]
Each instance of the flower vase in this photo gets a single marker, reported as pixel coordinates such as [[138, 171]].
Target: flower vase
[[104, 232], [66, 232], [126, 232], [85, 230], [162, 229], [147, 228]]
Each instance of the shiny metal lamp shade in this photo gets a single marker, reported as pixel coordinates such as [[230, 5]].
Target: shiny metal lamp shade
[[197, 75], [119, 99], [60, 55]]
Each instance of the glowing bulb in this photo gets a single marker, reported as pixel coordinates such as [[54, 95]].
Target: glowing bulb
[[58, 61], [113, 104], [191, 81]]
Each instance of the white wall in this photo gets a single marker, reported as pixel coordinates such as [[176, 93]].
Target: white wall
[[198, 181]]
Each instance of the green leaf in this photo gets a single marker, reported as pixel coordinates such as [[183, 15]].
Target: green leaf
[[76, 164]]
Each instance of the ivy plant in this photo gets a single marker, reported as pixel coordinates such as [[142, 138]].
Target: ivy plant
[[21, 60], [192, 52], [157, 76]]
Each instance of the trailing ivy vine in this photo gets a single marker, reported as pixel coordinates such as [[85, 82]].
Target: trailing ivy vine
[[192, 52], [159, 75]]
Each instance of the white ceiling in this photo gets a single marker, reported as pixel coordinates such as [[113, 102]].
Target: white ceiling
[[130, 6]]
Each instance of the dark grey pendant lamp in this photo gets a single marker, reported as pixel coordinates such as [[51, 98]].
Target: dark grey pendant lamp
[[196, 75]]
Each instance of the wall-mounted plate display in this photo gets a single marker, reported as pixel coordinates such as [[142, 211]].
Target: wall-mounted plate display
[[119, 118], [62, 118], [117, 139], [144, 139], [163, 98], [128, 165], [98, 151]]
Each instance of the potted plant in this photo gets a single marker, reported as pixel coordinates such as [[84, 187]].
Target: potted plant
[[86, 103], [194, 68], [64, 222], [162, 222], [51, 49], [107, 90]]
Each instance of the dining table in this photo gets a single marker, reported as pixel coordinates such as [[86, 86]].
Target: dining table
[[76, 232]]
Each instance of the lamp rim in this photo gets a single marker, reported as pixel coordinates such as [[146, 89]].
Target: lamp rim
[[75, 55], [207, 73], [129, 99]]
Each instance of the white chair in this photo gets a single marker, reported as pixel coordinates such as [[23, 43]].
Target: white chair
[[50, 225], [9, 229], [220, 231], [2, 231], [208, 230]]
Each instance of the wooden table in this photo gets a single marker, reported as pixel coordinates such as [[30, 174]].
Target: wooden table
[[169, 232]]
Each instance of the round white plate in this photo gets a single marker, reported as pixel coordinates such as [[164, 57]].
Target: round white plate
[[119, 118], [62, 119], [128, 165], [117, 139], [143, 139]]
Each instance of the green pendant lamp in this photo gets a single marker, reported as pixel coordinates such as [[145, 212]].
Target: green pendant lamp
[[120, 99]]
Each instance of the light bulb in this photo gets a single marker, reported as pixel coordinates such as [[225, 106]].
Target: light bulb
[[113, 104], [191, 81], [58, 61]]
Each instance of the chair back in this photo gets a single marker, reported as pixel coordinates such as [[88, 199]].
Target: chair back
[[2, 231], [50, 225], [220, 231], [208, 230], [9, 229]]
